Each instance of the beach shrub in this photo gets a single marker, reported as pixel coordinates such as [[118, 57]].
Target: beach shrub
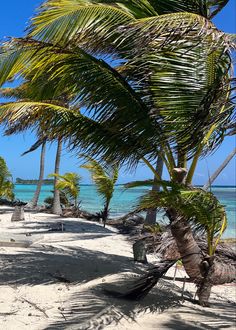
[[68, 185], [105, 177], [6, 184]]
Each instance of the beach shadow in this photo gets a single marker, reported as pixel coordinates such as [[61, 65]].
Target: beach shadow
[[37, 265], [220, 315], [177, 324], [69, 226], [92, 309]]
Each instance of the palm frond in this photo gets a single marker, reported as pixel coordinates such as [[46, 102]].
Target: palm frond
[[103, 176], [35, 146], [171, 6], [84, 22], [68, 184], [215, 6], [150, 183], [200, 208]]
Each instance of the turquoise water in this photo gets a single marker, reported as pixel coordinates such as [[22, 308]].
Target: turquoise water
[[124, 200]]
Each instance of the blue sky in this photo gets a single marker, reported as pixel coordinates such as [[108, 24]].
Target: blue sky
[[14, 15]]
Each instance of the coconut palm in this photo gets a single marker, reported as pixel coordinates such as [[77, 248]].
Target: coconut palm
[[6, 185], [33, 91], [56, 206], [23, 93], [170, 94], [68, 184], [152, 213], [105, 178]]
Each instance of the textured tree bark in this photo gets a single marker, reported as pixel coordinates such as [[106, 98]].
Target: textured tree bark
[[152, 213], [203, 270], [34, 202], [188, 249], [56, 207], [195, 262]]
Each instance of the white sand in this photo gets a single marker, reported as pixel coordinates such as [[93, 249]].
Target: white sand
[[90, 257]]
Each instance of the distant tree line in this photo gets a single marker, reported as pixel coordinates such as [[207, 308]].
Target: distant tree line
[[23, 181]]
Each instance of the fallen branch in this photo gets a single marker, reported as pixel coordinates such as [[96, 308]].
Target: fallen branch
[[35, 306], [8, 313]]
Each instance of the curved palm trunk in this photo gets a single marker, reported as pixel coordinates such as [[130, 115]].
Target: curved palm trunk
[[56, 207], [33, 203], [204, 270], [152, 213], [219, 169]]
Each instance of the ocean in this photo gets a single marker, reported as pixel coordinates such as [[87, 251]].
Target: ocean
[[124, 200]]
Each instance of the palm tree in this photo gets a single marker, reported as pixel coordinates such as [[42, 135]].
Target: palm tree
[[68, 184], [6, 185], [170, 96], [34, 201], [152, 213], [105, 178], [56, 206], [29, 91], [23, 93]]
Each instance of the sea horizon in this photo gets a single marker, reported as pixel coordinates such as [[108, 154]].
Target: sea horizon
[[124, 200], [122, 184]]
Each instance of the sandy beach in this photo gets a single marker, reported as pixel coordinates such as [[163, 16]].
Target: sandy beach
[[53, 279]]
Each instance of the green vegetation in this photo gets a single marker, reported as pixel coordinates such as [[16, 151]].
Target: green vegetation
[[105, 178], [6, 185], [68, 185], [168, 95]]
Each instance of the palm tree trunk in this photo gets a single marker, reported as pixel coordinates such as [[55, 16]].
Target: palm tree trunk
[[188, 249], [33, 203], [152, 213], [197, 264], [219, 169], [204, 270], [105, 212], [56, 207]]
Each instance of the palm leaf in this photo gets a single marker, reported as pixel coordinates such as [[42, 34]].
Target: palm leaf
[[104, 177], [35, 146], [200, 208], [84, 22], [68, 184]]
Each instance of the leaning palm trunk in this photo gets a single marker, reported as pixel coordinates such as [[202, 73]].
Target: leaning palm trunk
[[196, 264], [219, 169], [179, 243], [205, 271], [224, 260], [56, 207], [34, 202], [152, 213]]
